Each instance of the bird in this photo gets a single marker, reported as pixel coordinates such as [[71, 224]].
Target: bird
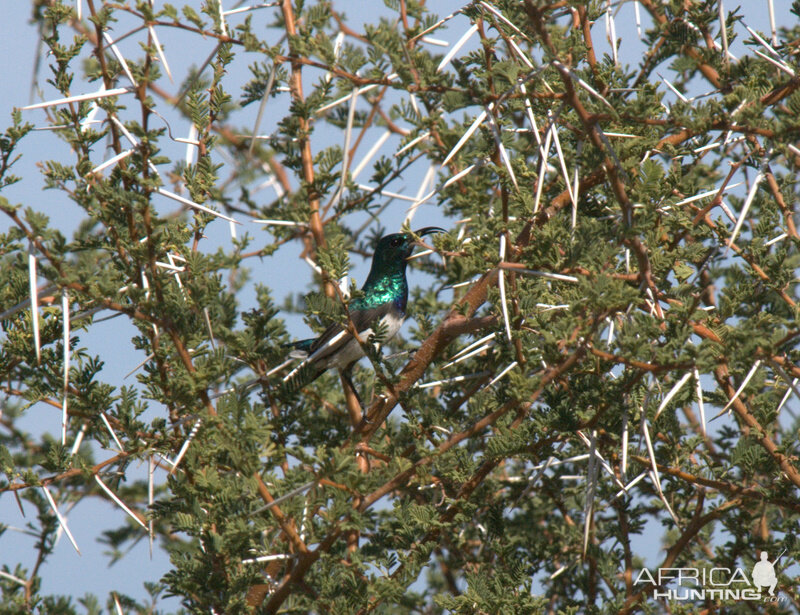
[[384, 300]]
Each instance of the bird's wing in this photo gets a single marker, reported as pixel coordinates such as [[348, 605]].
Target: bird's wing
[[336, 336], [299, 348], [333, 339]]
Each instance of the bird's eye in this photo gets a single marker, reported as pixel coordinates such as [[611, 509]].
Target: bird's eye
[[397, 241]]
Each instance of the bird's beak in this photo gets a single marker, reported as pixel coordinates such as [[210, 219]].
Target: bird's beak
[[421, 233], [428, 230]]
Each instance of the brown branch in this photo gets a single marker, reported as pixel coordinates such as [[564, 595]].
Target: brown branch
[[72, 472], [296, 87], [304, 562], [458, 322], [286, 524], [788, 214], [649, 367], [708, 71], [757, 431], [591, 58], [730, 489]]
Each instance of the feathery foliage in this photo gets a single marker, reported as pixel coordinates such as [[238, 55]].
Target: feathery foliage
[[621, 267]]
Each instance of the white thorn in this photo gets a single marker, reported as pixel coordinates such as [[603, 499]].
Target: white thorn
[[465, 137], [119, 502], [742, 386], [160, 52], [511, 366], [121, 59], [185, 445], [700, 404], [372, 151], [79, 98], [111, 431], [111, 161], [65, 329], [61, 520], [723, 30], [672, 393], [34, 301], [194, 205], [455, 48], [502, 285]]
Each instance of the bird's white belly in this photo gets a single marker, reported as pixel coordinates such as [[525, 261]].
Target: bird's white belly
[[393, 323], [352, 351]]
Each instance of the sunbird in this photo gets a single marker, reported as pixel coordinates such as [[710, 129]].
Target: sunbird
[[384, 300]]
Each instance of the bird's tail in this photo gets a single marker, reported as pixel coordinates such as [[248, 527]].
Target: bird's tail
[[305, 373], [300, 377]]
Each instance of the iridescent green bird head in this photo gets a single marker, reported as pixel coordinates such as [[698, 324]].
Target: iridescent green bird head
[[387, 276], [397, 247]]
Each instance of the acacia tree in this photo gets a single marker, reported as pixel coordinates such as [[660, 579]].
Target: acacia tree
[[621, 267]]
